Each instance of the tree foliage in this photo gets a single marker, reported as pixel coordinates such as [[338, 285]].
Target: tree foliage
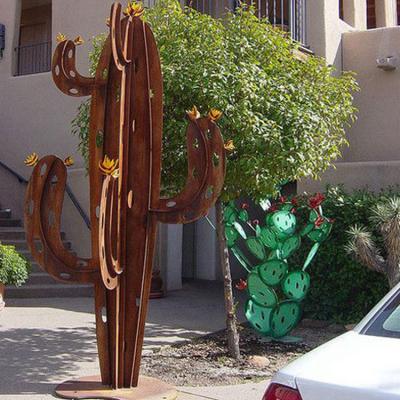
[[285, 114]]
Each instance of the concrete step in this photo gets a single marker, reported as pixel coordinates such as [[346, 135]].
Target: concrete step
[[41, 278], [21, 245], [28, 256], [10, 222], [35, 267], [59, 290], [40, 283], [5, 213], [15, 233]]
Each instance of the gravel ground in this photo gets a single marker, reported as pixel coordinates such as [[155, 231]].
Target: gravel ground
[[204, 361]]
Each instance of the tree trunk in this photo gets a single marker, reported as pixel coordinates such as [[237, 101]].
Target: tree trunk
[[2, 290], [231, 326]]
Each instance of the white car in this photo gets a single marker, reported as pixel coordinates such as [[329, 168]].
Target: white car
[[362, 364]]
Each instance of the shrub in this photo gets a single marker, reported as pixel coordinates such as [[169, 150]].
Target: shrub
[[14, 269], [342, 289]]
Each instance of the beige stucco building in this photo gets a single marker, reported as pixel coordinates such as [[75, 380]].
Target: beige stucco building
[[35, 116]]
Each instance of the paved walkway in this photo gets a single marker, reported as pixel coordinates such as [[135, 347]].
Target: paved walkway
[[46, 341]]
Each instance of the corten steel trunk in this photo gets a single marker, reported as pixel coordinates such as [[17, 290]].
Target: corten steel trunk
[[125, 205]]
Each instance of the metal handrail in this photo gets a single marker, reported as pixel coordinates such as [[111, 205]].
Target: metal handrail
[[289, 15], [68, 189], [33, 58]]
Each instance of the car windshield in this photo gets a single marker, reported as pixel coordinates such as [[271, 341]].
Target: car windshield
[[386, 322]]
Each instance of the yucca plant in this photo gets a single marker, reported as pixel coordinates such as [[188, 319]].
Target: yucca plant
[[382, 255]]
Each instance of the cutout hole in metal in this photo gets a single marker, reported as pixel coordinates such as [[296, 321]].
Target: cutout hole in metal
[[130, 198], [72, 73], [103, 314], [38, 246], [31, 206], [65, 275], [73, 91], [196, 144], [57, 70], [70, 53], [54, 179], [43, 169], [52, 218], [195, 174], [215, 159], [97, 212], [82, 263], [171, 204], [209, 192]]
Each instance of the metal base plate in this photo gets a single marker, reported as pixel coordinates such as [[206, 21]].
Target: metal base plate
[[90, 387]]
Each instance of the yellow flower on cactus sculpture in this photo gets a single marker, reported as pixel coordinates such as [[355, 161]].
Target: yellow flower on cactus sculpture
[[214, 114], [31, 160], [79, 40], [61, 38], [134, 9], [69, 161], [193, 113], [229, 146], [108, 166]]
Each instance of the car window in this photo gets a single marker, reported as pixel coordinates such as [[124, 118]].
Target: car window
[[386, 322]]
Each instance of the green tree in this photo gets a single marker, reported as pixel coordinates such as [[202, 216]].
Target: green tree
[[285, 115]]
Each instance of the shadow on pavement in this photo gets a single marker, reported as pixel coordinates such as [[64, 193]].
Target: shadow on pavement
[[32, 360]]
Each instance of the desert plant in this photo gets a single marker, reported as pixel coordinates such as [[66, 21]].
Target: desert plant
[[14, 269], [386, 217], [284, 117]]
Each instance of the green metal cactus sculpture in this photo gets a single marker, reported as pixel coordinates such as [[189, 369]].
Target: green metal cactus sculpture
[[275, 291], [126, 121]]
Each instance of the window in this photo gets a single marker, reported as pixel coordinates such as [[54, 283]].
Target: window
[[341, 12], [33, 54], [371, 14], [398, 12], [386, 323]]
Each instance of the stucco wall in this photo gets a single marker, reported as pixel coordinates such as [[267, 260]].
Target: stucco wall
[[374, 136], [324, 30], [372, 158], [36, 116]]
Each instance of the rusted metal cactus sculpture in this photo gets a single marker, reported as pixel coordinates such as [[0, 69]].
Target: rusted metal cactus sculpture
[[125, 205]]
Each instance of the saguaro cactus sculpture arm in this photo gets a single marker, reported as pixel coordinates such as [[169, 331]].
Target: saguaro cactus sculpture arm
[[43, 205], [125, 206], [206, 169], [68, 80]]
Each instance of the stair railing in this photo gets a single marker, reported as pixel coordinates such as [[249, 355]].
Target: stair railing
[[68, 189]]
